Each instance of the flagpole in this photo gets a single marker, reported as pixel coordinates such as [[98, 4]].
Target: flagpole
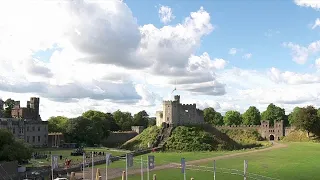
[[127, 167], [148, 169], [214, 169], [141, 168], [83, 164], [107, 167], [51, 167], [92, 166]]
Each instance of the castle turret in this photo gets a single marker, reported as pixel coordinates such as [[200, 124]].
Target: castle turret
[[34, 104], [1, 104], [177, 98]]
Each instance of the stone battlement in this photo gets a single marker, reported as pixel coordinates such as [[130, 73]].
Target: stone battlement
[[238, 126]]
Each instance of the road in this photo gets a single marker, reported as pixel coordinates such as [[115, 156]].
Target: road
[[117, 172]]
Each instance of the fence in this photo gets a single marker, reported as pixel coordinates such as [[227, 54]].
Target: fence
[[139, 168]]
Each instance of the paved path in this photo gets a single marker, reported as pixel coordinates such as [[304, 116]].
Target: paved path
[[117, 172]]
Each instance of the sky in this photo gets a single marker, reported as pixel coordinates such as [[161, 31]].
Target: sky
[[129, 55]]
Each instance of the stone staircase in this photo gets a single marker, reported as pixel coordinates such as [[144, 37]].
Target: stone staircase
[[163, 136]]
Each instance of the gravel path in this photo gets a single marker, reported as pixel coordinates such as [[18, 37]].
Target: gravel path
[[117, 172]]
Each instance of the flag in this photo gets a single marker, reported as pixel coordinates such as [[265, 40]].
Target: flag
[[108, 158], [54, 160], [173, 90], [183, 165], [129, 159], [151, 162]]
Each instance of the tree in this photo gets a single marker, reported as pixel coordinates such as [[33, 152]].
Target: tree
[[100, 120], [57, 124], [9, 105], [232, 118], [12, 149], [308, 120], [213, 117], [274, 113], [141, 119], [152, 122], [123, 119], [294, 115], [251, 116], [83, 130]]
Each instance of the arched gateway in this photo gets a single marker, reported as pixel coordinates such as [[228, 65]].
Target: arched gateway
[[271, 137]]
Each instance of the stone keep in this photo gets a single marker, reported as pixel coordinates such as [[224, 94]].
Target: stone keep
[[176, 114]]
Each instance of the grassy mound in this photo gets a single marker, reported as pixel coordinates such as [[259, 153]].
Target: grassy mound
[[141, 141], [197, 139], [243, 136], [300, 136]]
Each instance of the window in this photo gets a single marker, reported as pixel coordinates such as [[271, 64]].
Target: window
[[33, 128], [33, 138], [13, 130], [39, 128], [27, 139], [38, 138], [28, 128]]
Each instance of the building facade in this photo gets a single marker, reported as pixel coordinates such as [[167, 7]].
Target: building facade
[[26, 123], [176, 114], [32, 132]]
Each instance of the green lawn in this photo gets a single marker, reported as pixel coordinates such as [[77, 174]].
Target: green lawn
[[298, 161], [66, 154], [171, 157]]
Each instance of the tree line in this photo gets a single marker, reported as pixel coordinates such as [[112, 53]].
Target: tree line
[[304, 118], [93, 127]]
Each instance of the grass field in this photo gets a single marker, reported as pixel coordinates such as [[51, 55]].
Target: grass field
[[299, 161]]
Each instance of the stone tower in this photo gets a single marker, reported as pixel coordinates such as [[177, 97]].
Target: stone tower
[[34, 104], [1, 104]]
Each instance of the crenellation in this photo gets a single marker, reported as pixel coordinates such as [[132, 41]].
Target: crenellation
[[175, 113]]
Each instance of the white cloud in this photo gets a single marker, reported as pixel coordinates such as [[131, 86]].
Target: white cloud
[[317, 63], [292, 77], [102, 59], [315, 4], [316, 23], [233, 51], [247, 56], [300, 54], [165, 14]]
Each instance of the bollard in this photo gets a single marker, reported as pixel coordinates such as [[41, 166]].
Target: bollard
[[72, 176], [123, 175], [154, 177]]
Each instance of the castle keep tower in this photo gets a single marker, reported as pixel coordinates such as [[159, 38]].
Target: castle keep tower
[[176, 114]]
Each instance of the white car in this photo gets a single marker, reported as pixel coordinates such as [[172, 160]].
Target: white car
[[60, 179]]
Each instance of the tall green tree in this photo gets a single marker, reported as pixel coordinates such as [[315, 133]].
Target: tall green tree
[[12, 149], [83, 130], [213, 117], [308, 120], [57, 124], [9, 104], [101, 120], [274, 113], [251, 116], [232, 118], [123, 119], [141, 119], [293, 115]]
